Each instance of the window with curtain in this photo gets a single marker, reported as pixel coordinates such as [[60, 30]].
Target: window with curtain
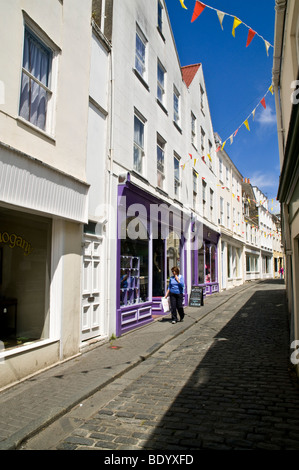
[[35, 91], [140, 54]]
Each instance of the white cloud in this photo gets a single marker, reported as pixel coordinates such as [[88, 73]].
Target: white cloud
[[267, 116]]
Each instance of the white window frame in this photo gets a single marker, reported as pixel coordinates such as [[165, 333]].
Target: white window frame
[[51, 88], [141, 59], [160, 161], [176, 174], [176, 106], [161, 91], [193, 129], [139, 146]]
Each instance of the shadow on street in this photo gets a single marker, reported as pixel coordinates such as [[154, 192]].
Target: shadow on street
[[243, 393]]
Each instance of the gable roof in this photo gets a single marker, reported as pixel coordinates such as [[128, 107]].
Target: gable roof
[[189, 72]]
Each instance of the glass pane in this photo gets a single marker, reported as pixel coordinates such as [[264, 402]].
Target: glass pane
[[25, 252], [173, 253], [158, 268], [201, 266]]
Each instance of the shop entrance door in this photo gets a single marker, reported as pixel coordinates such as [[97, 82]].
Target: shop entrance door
[[91, 302]]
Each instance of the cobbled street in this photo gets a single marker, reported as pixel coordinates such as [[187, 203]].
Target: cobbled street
[[225, 384]]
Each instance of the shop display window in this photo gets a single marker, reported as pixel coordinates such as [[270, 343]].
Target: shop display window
[[173, 253], [134, 266], [25, 248], [158, 268]]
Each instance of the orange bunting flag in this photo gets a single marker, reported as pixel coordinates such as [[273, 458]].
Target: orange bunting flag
[[217, 150], [251, 35], [198, 9], [237, 23], [264, 103]]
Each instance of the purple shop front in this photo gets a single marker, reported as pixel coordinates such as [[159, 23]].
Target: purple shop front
[[150, 242]]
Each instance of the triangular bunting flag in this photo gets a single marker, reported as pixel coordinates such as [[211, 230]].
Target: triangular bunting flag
[[237, 23], [264, 103], [253, 113], [267, 44], [271, 89], [246, 124], [194, 161], [251, 35], [182, 3], [223, 145], [221, 15], [217, 150], [209, 156], [190, 156], [198, 9], [231, 139], [236, 132]]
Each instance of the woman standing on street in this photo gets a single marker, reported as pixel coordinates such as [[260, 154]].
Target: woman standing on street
[[175, 292]]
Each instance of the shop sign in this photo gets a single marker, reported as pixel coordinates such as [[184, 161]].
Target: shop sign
[[13, 240]]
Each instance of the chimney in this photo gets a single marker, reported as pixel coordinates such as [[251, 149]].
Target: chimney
[[248, 181]]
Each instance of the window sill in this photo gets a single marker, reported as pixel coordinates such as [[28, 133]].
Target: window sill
[[36, 129], [178, 127], [141, 79], [162, 107], [161, 34], [139, 176]]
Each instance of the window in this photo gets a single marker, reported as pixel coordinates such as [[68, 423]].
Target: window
[[228, 215], [211, 204], [138, 144], [221, 211], [220, 170], [201, 99], [160, 161], [210, 153], [193, 130], [195, 175], [176, 106], [160, 82], [160, 18], [176, 163], [227, 177], [35, 86], [140, 54], [202, 137], [204, 197]]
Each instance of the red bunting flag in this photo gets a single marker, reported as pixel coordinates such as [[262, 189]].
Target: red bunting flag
[[251, 35], [198, 9], [264, 102]]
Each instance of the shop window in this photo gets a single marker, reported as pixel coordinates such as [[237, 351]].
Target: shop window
[[201, 266], [213, 263], [134, 265], [25, 242], [158, 268], [173, 253]]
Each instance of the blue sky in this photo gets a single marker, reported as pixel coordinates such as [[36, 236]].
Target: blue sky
[[236, 80]]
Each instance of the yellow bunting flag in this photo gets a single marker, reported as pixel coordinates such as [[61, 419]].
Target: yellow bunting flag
[[223, 145], [209, 156], [194, 161], [246, 124], [271, 89], [237, 23], [182, 3], [221, 15]]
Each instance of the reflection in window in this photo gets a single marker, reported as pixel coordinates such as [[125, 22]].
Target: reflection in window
[[25, 249], [158, 268], [173, 253]]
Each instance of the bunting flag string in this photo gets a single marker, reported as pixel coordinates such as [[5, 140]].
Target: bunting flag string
[[200, 7]]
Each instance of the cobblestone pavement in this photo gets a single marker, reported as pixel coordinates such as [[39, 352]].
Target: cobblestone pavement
[[225, 384]]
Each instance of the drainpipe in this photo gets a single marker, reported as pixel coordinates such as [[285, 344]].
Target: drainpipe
[[280, 7]]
